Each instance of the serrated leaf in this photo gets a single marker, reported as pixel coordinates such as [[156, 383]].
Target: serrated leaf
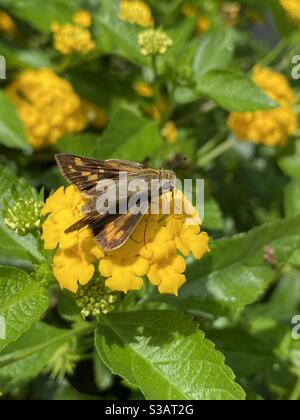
[[22, 303], [215, 51], [29, 355], [14, 249], [12, 132], [129, 136], [236, 274], [234, 92], [166, 355]]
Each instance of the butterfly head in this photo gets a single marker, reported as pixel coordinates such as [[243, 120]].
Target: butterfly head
[[167, 181]]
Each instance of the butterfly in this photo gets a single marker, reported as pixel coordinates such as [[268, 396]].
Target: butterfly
[[110, 231]]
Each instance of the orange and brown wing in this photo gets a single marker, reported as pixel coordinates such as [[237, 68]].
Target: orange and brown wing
[[85, 173]]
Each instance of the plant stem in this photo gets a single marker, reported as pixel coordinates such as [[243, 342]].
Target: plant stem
[[295, 395], [277, 50], [210, 144], [23, 354], [217, 152], [156, 79]]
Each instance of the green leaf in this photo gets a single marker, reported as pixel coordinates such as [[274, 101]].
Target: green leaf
[[29, 355], [103, 376], [117, 36], [14, 249], [12, 133], [166, 355], [246, 354], [236, 274], [282, 305], [292, 199], [22, 303], [234, 92], [67, 393], [16, 57], [129, 136], [215, 51], [291, 164], [79, 144], [213, 218], [41, 18]]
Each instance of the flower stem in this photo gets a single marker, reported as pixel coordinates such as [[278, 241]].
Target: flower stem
[[210, 144], [217, 152], [156, 79], [277, 50]]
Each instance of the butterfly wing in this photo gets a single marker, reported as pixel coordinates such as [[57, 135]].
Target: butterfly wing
[[116, 231], [86, 173], [109, 231]]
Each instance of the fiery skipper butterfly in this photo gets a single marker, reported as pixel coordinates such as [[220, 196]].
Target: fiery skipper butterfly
[[110, 231]]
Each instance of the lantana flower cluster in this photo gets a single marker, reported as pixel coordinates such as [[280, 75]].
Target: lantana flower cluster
[[156, 250], [154, 42], [74, 37], [7, 25], [268, 127], [293, 9], [137, 12], [47, 105]]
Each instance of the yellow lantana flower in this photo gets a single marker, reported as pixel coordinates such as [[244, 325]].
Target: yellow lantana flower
[[153, 251], [144, 89], [293, 9], [47, 105], [136, 11], [7, 25], [74, 37], [83, 18], [203, 24], [95, 115], [170, 133], [268, 127]]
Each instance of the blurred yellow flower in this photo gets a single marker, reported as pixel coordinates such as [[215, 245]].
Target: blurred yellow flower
[[7, 25], [83, 18], [170, 133], [154, 249], [203, 24], [136, 11], [293, 8], [47, 105], [231, 12], [156, 111], [70, 38], [95, 115], [189, 10], [268, 127], [144, 89]]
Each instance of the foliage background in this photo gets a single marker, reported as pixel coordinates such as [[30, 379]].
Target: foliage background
[[154, 346]]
